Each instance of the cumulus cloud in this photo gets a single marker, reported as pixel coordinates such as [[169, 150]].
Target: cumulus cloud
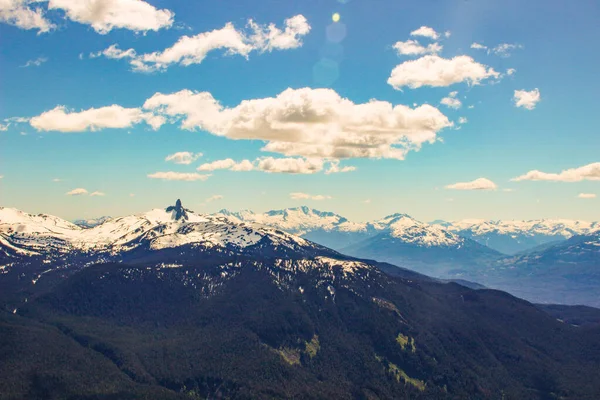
[[510, 71], [214, 198], [227, 163], [451, 101], [24, 14], [589, 172], [477, 184], [3, 127], [525, 99], [306, 196], [104, 16], [189, 50], [77, 192], [312, 123], [290, 165], [587, 195], [412, 47], [93, 194], [435, 71], [183, 157], [462, 120], [35, 62], [427, 32], [64, 120], [178, 176]]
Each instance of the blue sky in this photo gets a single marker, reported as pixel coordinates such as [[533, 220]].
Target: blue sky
[[555, 53]]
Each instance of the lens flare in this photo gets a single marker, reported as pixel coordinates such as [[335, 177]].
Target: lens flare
[[335, 17]]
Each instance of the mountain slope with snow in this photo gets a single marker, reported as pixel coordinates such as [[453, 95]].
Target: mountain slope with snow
[[511, 237]]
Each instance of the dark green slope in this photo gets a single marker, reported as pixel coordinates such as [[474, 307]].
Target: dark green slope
[[258, 330]]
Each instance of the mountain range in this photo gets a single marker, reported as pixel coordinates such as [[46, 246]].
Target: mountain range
[[172, 304]]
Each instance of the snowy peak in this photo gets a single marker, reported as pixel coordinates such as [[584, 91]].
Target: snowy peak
[[409, 230], [298, 220]]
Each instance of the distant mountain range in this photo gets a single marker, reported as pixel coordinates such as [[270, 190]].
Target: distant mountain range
[[442, 250], [333, 230], [171, 304]]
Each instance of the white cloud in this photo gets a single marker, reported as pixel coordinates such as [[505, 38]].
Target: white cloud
[[525, 99], [462, 120], [183, 157], [290, 165], [214, 198], [103, 16], [35, 63], [587, 196], [426, 32], [178, 176], [412, 47], [189, 50], [587, 172], [505, 49], [277, 165], [77, 192], [63, 120], [227, 163], [4, 128], [432, 70], [114, 52], [306, 196], [510, 71], [367, 201], [93, 194], [20, 14], [477, 184], [502, 50], [56, 180], [478, 46], [452, 102], [313, 123], [334, 168]]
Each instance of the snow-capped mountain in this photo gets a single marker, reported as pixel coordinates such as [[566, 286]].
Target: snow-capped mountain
[[326, 228], [37, 245], [91, 222], [511, 237]]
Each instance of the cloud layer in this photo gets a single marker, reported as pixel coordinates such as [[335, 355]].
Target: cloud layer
[[306, 196], [178, 176], [587, 172], [183, 157], [477, 184]]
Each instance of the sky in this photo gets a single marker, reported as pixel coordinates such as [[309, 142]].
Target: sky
[[438, 109]]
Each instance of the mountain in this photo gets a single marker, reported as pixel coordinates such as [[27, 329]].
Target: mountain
[[429, 249], [175, 305], [92, 222], [33, 247], [326, 228], [567, 272], [511, 237]]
